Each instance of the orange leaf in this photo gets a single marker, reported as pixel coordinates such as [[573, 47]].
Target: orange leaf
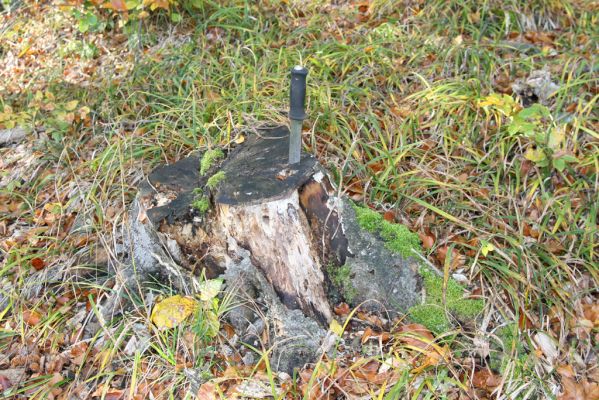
[[342, 309], [38, 263], [160, 4], [485, 379], [389, 216], [207, 391], [367, 334], [415, 335], [31, 317], [114, 395], [428, 241], [457, 260], [116, 5]]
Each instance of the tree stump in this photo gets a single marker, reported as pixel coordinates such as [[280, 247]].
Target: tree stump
[[276, 234]]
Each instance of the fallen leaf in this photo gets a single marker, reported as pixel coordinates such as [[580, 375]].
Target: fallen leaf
[[367, 334], [207, 392], [342, 309], [433, 357], [389, 216], [336, 328], [210, 289], [37, 263], [240, 139], [547, 346], [116, 5], [415, 335], [566, 371], [71, 105], [173, 310], [5, 384], [31, 317], [485, 379], [591, 312], [457, 260], [428, 241]]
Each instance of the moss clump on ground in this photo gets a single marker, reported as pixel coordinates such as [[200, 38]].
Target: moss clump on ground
[[341, 278], [215, 180], [433, 314], [209, 158], [397, 237]]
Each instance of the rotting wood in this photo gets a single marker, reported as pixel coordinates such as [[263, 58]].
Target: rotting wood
[[274, 233]]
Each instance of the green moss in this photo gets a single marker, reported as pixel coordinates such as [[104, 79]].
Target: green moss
[[398, 238], [433, 314], [368, 219], [215, 180], [341, 278], [209, 158], [467, 308], [433, 284], [201, 203]]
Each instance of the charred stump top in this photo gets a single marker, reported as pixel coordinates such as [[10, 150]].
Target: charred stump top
[[258, 171]]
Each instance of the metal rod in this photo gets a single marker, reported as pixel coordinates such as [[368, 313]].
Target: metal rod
[[297, 112]]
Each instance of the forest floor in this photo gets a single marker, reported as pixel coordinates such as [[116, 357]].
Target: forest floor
[[474, 123]]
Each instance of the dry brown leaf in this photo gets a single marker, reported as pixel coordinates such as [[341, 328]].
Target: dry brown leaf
[[584, 390], [367, 334], [31, 317], [457, 260], [428, 241], [208, 391], [566, 371], [433, 358], [342, 309], [415, 335], [37, 263], [485, 379], [591, 313]]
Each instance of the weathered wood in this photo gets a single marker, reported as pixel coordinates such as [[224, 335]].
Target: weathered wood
[[275, 234], [258, 206]]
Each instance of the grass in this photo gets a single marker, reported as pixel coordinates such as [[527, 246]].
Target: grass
[[396, 113]]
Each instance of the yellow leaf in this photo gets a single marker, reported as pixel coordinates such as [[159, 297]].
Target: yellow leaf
[[173, 310], [210, 289], [336, 328], [240, 139], [53, 208], [556, 137], [486, 248], [71, 105], [534, 155]]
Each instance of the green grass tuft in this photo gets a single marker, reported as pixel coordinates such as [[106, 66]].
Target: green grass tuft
[[209, 158]]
